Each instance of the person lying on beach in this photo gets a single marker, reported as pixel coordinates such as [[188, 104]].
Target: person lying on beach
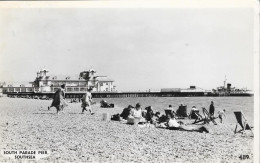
[[59, 99], [87, 101], [105, 104], [116, 117], [172, 124]]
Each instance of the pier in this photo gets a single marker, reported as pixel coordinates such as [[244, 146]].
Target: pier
[[118, 94]]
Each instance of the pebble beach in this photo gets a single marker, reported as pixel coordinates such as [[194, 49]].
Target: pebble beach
[[26, 124]]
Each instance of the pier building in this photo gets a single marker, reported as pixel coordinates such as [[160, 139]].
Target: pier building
[[46, 84]]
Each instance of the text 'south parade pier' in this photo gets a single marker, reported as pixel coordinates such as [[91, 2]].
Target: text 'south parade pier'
[[44, 87]]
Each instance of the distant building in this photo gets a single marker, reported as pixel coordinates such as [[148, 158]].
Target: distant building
[[187, 90], [193, 89], [44, 83]]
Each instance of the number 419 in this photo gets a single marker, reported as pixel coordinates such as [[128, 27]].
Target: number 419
[[243, 157]]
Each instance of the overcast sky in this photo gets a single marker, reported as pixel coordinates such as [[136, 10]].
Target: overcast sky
[[139, 48]]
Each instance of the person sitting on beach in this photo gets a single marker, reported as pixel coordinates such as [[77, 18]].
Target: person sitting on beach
[[171, 108], [157, 114], [221, 114], [137, 112], [169, 121], [192, 114], [172, 122], [136, 115], [104, 104], [194, 108], [155, 118], [144, 112], [87, 101], [162, 118], [149, 114], [126, 112]]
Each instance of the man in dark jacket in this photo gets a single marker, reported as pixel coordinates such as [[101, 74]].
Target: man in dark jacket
[[59, 99], [211, 109]]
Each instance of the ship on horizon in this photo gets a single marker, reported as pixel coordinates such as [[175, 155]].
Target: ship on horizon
[[227, 90]]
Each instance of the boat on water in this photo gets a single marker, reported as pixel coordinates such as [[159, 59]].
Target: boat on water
[[228, 90]]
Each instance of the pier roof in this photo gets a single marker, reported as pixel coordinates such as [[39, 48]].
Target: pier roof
[[104, 79]]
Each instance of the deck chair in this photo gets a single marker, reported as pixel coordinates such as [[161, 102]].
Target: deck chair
[[241, 120], [182, 111], [195, 115], [199, 118], [207, 118]]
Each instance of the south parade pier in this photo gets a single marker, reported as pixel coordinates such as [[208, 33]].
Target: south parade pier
[[44, 86]]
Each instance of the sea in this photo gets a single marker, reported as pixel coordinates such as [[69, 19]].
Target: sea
[[229, 103]]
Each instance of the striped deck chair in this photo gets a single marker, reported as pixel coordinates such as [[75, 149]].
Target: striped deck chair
[[195, 115], [207, 118], [241, 120]]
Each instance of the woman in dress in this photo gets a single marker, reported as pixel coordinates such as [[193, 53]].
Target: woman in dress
[[59, 99]]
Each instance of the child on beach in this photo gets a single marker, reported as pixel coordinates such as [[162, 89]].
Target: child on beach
[[221, 114]]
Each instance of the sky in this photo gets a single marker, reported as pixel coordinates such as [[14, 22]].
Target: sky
[[140, 48]]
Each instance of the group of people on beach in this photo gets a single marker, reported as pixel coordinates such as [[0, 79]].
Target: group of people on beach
[[60, 103], [137, 116], [134, 115], [221, 113]]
